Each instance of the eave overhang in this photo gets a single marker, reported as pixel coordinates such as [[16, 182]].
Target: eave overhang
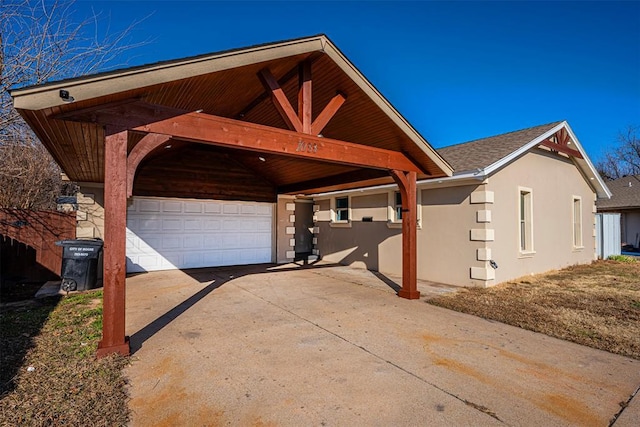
[[103, 87], [583, 162]]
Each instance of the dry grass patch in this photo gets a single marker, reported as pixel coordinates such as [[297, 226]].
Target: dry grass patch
[[597, 305], [49, 374]]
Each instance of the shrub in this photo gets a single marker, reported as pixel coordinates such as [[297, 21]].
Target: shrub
[[621, 258]]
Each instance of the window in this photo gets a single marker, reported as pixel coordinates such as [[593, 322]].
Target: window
[[526, 223], [342, 209], [577, 222], [394, 209], [397, 205]]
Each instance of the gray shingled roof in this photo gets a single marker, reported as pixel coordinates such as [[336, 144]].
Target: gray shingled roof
[[480, 153], [625, 194]]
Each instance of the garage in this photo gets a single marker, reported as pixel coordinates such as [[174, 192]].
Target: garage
[[198, 161], [168, 233]]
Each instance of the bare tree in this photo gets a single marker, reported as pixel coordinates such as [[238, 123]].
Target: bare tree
[[40, 41], [624, 158], [29, 175]]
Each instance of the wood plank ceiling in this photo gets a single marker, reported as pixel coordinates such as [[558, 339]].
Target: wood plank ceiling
[[194, 170]]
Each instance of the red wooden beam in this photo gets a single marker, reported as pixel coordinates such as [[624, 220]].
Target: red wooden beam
[[327, 114], [280, 100], [407, 186], [115, 223], [563, 137], [562, 149], [145, 146], [304, 96], [209, 129]]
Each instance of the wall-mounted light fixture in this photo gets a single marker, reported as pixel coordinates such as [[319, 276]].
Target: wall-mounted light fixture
[[65, 96]]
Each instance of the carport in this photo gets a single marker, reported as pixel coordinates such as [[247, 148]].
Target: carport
[[136, 129]]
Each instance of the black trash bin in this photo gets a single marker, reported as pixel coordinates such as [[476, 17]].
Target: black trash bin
[[79, 264]]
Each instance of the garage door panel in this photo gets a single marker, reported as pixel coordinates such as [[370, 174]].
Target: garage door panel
[[150, 242], [192, 207], [172, 224], [148, 225], [263, 210], [192, 242], [172, 207], [231, 256], [212, 258], [263, 224], [212, 208], [212, 224], [230, 209], [264, 253], [170, 234], [171, 242], [171, 260], [192, 224], [235, 241], [212, 242], [231, 224], [192, 260], [263, 241], [249, 225], [247, 209], [147, 206]]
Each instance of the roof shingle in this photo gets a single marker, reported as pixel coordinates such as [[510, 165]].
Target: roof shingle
[[481, 153], [625, 194]]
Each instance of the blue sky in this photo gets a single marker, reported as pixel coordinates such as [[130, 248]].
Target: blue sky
[[456, 70]]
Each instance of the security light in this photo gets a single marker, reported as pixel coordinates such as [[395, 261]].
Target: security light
[[66, 97]]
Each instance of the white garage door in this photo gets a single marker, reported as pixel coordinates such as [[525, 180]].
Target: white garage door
[[167, 234]]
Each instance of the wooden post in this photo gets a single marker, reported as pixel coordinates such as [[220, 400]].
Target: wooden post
[[115, 222], [407, 184], [304, 96]]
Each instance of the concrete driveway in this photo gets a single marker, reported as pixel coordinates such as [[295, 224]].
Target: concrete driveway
[[331, 345]]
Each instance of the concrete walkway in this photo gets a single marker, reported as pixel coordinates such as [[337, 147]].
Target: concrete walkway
[[335, 346]]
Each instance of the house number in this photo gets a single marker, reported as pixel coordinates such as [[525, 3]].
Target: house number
[[307, 147]]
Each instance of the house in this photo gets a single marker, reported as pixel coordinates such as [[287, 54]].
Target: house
[[517, 204], [205, 161], [625, 200]]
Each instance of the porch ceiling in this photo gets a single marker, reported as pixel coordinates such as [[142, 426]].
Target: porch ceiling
[[228, 85]]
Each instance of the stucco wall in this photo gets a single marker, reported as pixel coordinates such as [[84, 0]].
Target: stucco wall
[[90, 214], [465, 227], [284, 229], [553, 181], [359, 244], [445, 253]]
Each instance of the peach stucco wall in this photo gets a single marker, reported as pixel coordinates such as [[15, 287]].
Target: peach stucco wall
[[553, 181], [465, 227], [443, 240]]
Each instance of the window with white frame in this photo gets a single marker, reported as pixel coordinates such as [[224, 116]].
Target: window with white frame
[[342, 209], [394, 209], [577, 222], [525, 212], [397, 206]]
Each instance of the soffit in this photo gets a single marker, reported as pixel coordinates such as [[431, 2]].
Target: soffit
[[237, 93]]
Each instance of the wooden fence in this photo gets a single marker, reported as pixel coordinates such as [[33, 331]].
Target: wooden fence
[[25, 231]]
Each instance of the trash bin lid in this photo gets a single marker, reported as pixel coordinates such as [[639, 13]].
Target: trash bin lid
[[81, 242]]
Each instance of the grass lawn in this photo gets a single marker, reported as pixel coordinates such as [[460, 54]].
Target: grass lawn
[[596, 305], [49, 375]]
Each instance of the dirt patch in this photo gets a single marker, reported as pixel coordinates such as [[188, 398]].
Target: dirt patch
[[49, 373], [597, 305]]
